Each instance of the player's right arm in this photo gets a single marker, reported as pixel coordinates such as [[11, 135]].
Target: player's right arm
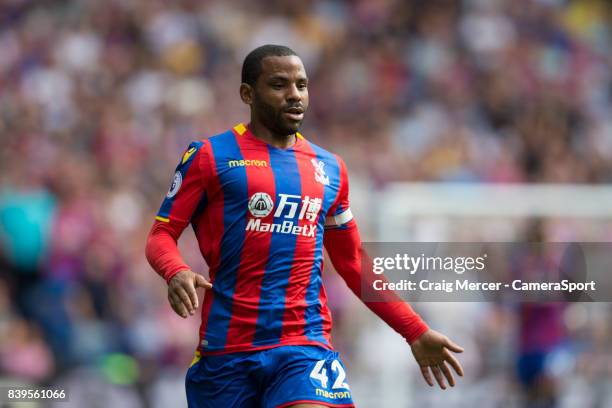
[[187, 190]]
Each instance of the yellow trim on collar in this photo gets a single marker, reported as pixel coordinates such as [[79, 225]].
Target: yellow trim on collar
[[240, 128]]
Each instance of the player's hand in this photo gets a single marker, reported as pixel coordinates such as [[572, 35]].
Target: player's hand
[[182, 293], [432, 352]]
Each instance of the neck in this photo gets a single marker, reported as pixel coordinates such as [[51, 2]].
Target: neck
[[264, 134]]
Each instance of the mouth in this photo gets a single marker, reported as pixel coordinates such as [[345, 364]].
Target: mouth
[[294, 113]]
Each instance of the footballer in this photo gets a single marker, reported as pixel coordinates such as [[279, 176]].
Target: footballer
[[264, 202]]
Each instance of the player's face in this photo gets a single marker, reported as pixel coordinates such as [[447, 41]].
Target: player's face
[[280, 95]]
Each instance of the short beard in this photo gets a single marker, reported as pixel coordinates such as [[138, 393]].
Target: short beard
[[273, 120]]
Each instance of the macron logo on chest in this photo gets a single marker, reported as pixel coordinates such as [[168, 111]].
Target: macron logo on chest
[[247, 163]]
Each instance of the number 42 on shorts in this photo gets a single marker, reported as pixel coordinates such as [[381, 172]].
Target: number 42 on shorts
[[319, 373]]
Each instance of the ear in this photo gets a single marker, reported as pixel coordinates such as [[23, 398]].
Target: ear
[[246, 93]]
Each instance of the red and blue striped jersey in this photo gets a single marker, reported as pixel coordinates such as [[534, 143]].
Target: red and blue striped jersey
[[259, 214]]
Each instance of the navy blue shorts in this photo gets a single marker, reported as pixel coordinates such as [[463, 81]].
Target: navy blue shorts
[[271, 378]]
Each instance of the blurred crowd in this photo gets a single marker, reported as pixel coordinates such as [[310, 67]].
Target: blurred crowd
[[99, 98]]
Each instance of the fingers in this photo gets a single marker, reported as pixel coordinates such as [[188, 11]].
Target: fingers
[[447, 373], [453, 362], [427, 375], [182, 294], [448, 343], [435, 356], [177, 305], [201, 282], [438, 375], [190, 289]]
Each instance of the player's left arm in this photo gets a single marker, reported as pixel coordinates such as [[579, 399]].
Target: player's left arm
[[431, 349]]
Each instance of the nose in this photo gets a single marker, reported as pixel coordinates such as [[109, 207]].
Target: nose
[[294, 93]]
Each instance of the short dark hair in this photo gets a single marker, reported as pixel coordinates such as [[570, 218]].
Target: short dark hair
[[251, 67]]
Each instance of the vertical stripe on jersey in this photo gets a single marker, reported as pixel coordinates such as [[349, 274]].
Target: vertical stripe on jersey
[[282, 250], [234, 186], [254, 253], [294, 323], [195, 218], [313, 313], [326, 321], [207, 245]]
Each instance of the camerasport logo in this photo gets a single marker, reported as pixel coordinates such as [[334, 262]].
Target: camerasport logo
[[290, 209]]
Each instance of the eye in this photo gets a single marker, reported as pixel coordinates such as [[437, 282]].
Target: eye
[[302, 86]]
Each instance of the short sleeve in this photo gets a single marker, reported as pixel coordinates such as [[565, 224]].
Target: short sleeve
[[187, 190]]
